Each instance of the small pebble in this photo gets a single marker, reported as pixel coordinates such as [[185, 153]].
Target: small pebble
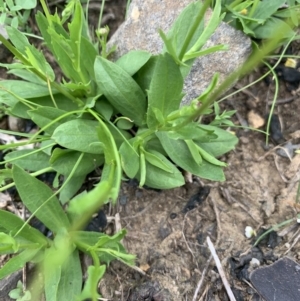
[[173, 215]]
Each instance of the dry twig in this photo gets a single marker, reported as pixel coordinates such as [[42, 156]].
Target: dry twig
[[220, 269], [199, 284]]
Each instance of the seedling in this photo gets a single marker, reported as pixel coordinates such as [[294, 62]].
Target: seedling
[[259, 19], [16, 12]]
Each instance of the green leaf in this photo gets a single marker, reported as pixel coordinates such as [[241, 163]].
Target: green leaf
[[211, 26], [157, 159], [9, 240], [71, 278], [88, 55], [142, 174], [169, 47], [121, 90], [222, 142], [17, 262], [22, 89], [165, 90], [13, 224], [71, 188], [144, 75], [90, 287], [272, 27], [63, 161], [26, 4], [107, 247], [160, 179], [207, 51], [39, 200], [124, 124], [51, 281], [38, 61], [63, 103], [90, 202], [178, 32], [129, 159], [32, 162], [209, 158], [133, 61], [194, 151], [26, 75], [80, 135], [180, 154], [18, 39], [43, 116], [119, 135], [265, 9], [62, 49], [155, 118], [43, 26], [19, 294], [194, 132], [103, 107], [75, 29]]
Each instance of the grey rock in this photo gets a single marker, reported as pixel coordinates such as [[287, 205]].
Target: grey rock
[[140, 31]]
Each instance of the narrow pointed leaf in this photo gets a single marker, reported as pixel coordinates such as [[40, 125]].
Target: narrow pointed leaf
[[129, 159], [161, 179], [63, 161], [32, 162], [69, 286], [17, 262], [43, 116], [165, 91], [121, 90], [157, 159], [133, 61], [194, 151], [180, 154], [34, 195]]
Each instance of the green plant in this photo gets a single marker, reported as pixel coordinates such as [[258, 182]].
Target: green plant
[[122, 116], [18, 294], [16, 12], [259, 19]]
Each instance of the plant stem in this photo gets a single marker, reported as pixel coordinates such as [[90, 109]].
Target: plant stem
[[253, 8], [253, 61], [193, 29], [33, 174]]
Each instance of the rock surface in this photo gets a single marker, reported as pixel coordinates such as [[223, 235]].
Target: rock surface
[[140, 31]]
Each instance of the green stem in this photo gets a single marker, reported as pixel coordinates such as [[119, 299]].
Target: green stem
[[20, 247], [28, 154], [46, 11], [253, 61], [101, 14], [234, 3], [253, 8], [274, 228], [54, 85], [33, 174], [193, 28], [53, 122]]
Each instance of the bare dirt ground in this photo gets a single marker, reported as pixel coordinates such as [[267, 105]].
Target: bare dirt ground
[[170, 241]]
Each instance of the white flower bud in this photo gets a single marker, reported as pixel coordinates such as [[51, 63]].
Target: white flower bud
[[249, 232]]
